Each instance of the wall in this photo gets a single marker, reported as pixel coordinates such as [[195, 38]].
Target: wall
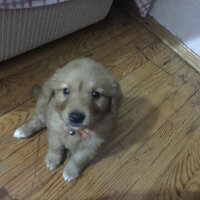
[[181, 18]]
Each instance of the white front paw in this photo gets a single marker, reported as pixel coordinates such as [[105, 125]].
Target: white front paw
[[19, 133], [69, 177], [53, 161], [50, 165]]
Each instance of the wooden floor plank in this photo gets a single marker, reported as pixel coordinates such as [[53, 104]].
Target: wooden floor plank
[[30, 176], [21, 159], [10, 121], [181, 180], [174, 139]]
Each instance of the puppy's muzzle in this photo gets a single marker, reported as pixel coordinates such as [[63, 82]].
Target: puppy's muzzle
[[76, 118]]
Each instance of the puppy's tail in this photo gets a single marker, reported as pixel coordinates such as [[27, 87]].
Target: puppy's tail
[[36, 91]]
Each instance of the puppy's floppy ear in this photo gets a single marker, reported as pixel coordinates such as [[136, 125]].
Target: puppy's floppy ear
[[116, 98], [48, 88], [53, 84]]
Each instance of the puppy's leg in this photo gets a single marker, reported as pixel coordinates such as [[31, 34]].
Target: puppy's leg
[[76, 163], [55, 153], [37, 122]]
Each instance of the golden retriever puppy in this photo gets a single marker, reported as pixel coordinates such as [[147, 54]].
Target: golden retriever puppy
[[78, 104]]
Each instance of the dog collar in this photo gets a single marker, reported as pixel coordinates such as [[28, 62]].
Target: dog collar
[[71, 132], [80, 131]]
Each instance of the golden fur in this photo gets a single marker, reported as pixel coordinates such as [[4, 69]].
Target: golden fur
[[81, 77]]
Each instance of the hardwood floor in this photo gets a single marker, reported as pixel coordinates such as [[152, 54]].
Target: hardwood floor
[[155, 155]]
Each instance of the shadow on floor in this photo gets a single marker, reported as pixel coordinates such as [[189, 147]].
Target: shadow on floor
[[136, 119]]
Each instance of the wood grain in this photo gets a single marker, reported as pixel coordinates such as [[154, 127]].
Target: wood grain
[[154, 154]]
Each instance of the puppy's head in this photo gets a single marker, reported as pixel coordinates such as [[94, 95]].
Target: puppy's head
[[83, 93]]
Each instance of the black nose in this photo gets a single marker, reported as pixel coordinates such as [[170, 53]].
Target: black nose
[[76, 117]]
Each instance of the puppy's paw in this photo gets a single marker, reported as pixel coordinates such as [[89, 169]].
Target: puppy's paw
[[53, 161], [70, 173], [19, 133], [69, 177]]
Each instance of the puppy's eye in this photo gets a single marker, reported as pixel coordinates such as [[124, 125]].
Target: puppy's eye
[[96, 94], [66, 91]]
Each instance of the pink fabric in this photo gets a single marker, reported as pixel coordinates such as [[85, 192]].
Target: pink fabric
[[144, 6]]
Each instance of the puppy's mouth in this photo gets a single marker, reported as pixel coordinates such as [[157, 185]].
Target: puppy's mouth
[[76, 126]]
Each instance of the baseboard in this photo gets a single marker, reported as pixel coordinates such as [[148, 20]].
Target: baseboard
[[165, 36]]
